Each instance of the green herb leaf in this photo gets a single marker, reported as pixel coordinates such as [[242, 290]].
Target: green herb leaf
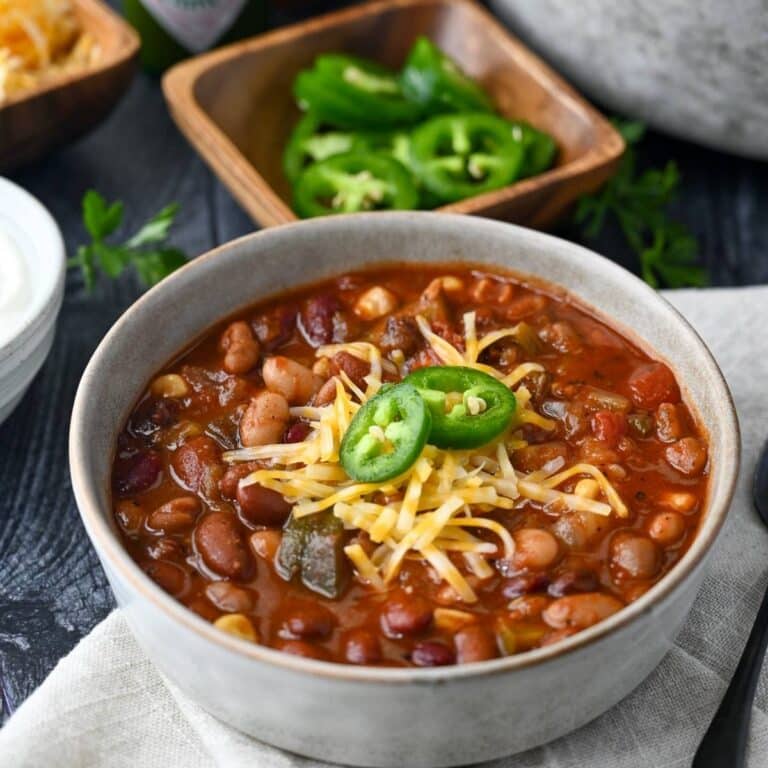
[[638, 202], [147, 250]]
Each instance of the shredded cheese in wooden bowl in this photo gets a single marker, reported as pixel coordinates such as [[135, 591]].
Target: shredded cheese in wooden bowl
[[438, 506], [40, 40]]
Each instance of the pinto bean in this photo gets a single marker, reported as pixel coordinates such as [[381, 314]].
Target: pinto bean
[[635, 555], [405, 614], [264, 420], [165, 548], [688, 456], [240, 347], [220, 544], [562, 336], [570, 582], [169, 576], [535, 548], [527, 607], [401, 332], [230, 598], [669, 425], [294, 381], [231, 478], [666, 528], [534, 457], [302, 648], [354, 367], [262, 506], [361, 646], [264, 544], [130, 516], [327, 393], [175, 516], [578, 529], [432, 654], [475, 643], [197, 465], [307, 620], [580, 611]]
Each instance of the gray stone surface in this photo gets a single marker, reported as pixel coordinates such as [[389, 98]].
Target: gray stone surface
[[695, 68]]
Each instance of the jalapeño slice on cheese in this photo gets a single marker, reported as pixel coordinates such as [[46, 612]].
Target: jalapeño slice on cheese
[[469, 408], [386, 436]]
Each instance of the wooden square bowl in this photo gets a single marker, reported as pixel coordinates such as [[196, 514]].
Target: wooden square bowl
[[35, 121], [236, 106]]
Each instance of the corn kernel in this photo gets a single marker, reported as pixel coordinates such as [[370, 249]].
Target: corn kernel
[[237, 624], [170, 385], [452, 620], [587, 488]]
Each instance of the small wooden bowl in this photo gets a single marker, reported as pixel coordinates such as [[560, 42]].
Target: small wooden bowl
[[33, 122], [236, 107]]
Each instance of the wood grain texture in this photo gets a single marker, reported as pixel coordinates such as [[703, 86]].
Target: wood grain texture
[[218, 99], [52, 589]]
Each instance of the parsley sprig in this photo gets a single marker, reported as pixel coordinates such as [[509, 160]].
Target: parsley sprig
[[638, 202], [147, 250]]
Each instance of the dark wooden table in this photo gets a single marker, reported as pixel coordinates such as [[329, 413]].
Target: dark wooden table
[[52, 588]]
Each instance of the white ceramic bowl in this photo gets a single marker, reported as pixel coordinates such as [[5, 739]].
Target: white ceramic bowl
[[25, 344], [375, 716]]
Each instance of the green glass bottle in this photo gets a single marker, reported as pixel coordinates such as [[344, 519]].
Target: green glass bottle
[[172, 30]]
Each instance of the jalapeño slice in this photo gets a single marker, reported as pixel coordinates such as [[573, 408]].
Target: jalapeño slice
[[436, 81], [386, 436], [353, 182], [458, 156], [469, 408]]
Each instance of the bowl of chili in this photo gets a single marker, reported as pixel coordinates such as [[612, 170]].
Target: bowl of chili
[[552, 417]]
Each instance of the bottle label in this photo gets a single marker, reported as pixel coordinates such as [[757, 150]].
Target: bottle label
[[195, 24]]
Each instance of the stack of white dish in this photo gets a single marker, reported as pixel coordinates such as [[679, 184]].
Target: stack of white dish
[[32, 268]]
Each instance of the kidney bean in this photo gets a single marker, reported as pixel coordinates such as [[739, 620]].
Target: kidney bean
[[405, 614], [165, 549], [651, 385], [556, 635], [230, 598], [354, 367], [688, 456], [432, 654], [361, 646], [169, 576], [524, 584], [241, 350], [534, 457], [130, 516], [297, 432], [274, 328], [635, 555], [262, 506], [580, 611], [401, 332], [562, 336], [232, 477], [569, 582], [302, 648], [264, 420], [136, 473], [318, 319], [219, 543], [307, 620], [475, 643], [175, 516], [197, 465], [535, 548]]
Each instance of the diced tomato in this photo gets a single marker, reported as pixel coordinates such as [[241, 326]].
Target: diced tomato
[[609, 427], [653, 384]]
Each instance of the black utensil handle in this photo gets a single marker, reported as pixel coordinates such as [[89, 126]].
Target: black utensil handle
[[725, 742]]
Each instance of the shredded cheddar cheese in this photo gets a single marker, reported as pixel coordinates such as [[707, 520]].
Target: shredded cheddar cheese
[[441, 505]]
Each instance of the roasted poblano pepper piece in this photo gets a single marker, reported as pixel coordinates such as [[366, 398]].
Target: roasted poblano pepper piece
[[312, 548]]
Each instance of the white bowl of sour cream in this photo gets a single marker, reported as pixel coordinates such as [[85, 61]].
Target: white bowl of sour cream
[[32, 268]]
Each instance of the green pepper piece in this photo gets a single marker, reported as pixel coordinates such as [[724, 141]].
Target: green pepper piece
[[539, 149], [469, 407], [458, 156], [386, 436], [312, 547], [309, 144], [436, 81], [353, 93], [352, 182]]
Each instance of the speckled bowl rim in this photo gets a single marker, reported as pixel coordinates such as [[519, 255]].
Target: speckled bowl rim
[[111, 549]]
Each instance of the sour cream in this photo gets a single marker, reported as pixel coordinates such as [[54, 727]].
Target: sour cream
[[15, 287]]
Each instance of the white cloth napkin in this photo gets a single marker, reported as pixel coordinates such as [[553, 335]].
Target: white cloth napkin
[[105, 705]]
